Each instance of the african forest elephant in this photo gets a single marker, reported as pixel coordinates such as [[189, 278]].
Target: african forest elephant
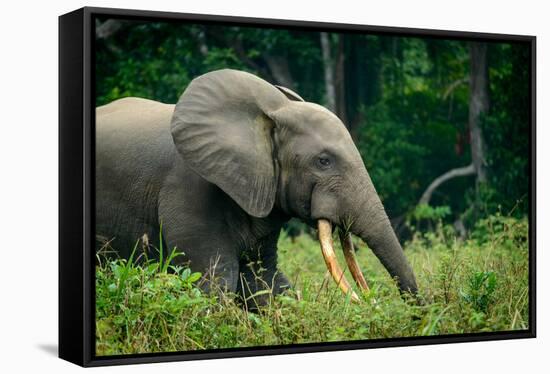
[[225, 168]]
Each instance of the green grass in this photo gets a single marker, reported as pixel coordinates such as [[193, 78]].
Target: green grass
[[477, 285]]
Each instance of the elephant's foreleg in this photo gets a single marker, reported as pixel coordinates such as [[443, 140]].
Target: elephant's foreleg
[[197, 228], [259, 278], [221, 275]]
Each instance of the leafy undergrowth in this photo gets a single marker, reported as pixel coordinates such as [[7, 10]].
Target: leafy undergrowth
[[477, 285]]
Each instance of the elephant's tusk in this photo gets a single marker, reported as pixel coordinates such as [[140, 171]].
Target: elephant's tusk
[[349, 254], [325, 239]]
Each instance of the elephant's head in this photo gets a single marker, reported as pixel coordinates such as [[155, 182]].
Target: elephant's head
[[267, 148]]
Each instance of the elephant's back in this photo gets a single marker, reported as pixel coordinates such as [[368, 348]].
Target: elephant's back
[[134, 118], [134, 152], [133, 130]]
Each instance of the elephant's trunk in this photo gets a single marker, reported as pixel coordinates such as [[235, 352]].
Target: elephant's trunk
[[375, 229], [373, 226], [371, 223], [367, 219]]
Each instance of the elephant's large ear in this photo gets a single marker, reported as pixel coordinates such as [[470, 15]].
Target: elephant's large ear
[[221, 128]]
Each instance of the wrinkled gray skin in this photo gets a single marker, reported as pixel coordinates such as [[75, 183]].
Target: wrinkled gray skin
[[224, 168]]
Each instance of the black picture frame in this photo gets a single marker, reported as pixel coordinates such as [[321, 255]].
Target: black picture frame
[[76, 186]]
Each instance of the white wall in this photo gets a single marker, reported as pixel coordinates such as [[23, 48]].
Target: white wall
[[28, 182]]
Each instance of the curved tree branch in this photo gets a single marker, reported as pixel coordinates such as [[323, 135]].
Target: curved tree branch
[[453, 86], [453, 173], [104, 30]]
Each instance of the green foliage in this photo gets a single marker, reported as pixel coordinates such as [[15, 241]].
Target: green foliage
[[476, 285], [506, 129], [222, 58], [145, 297], [510, 232], [388, 147], [425, 211], [481, 287], [424, 215]]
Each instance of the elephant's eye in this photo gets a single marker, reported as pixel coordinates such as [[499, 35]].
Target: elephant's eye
[[324, 162]]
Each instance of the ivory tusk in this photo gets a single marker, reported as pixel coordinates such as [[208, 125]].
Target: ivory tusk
[[325, 239], [349, 254]]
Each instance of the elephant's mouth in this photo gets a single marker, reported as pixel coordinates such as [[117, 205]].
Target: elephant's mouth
[[325, 239]]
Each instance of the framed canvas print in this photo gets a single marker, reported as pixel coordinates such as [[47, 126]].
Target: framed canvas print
[[235, 186]]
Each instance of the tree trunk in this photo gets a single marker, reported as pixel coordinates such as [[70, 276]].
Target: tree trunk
[[200, 37], [330, 87], [362, 68], [479, 105], [339, 82], [278, 65]]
